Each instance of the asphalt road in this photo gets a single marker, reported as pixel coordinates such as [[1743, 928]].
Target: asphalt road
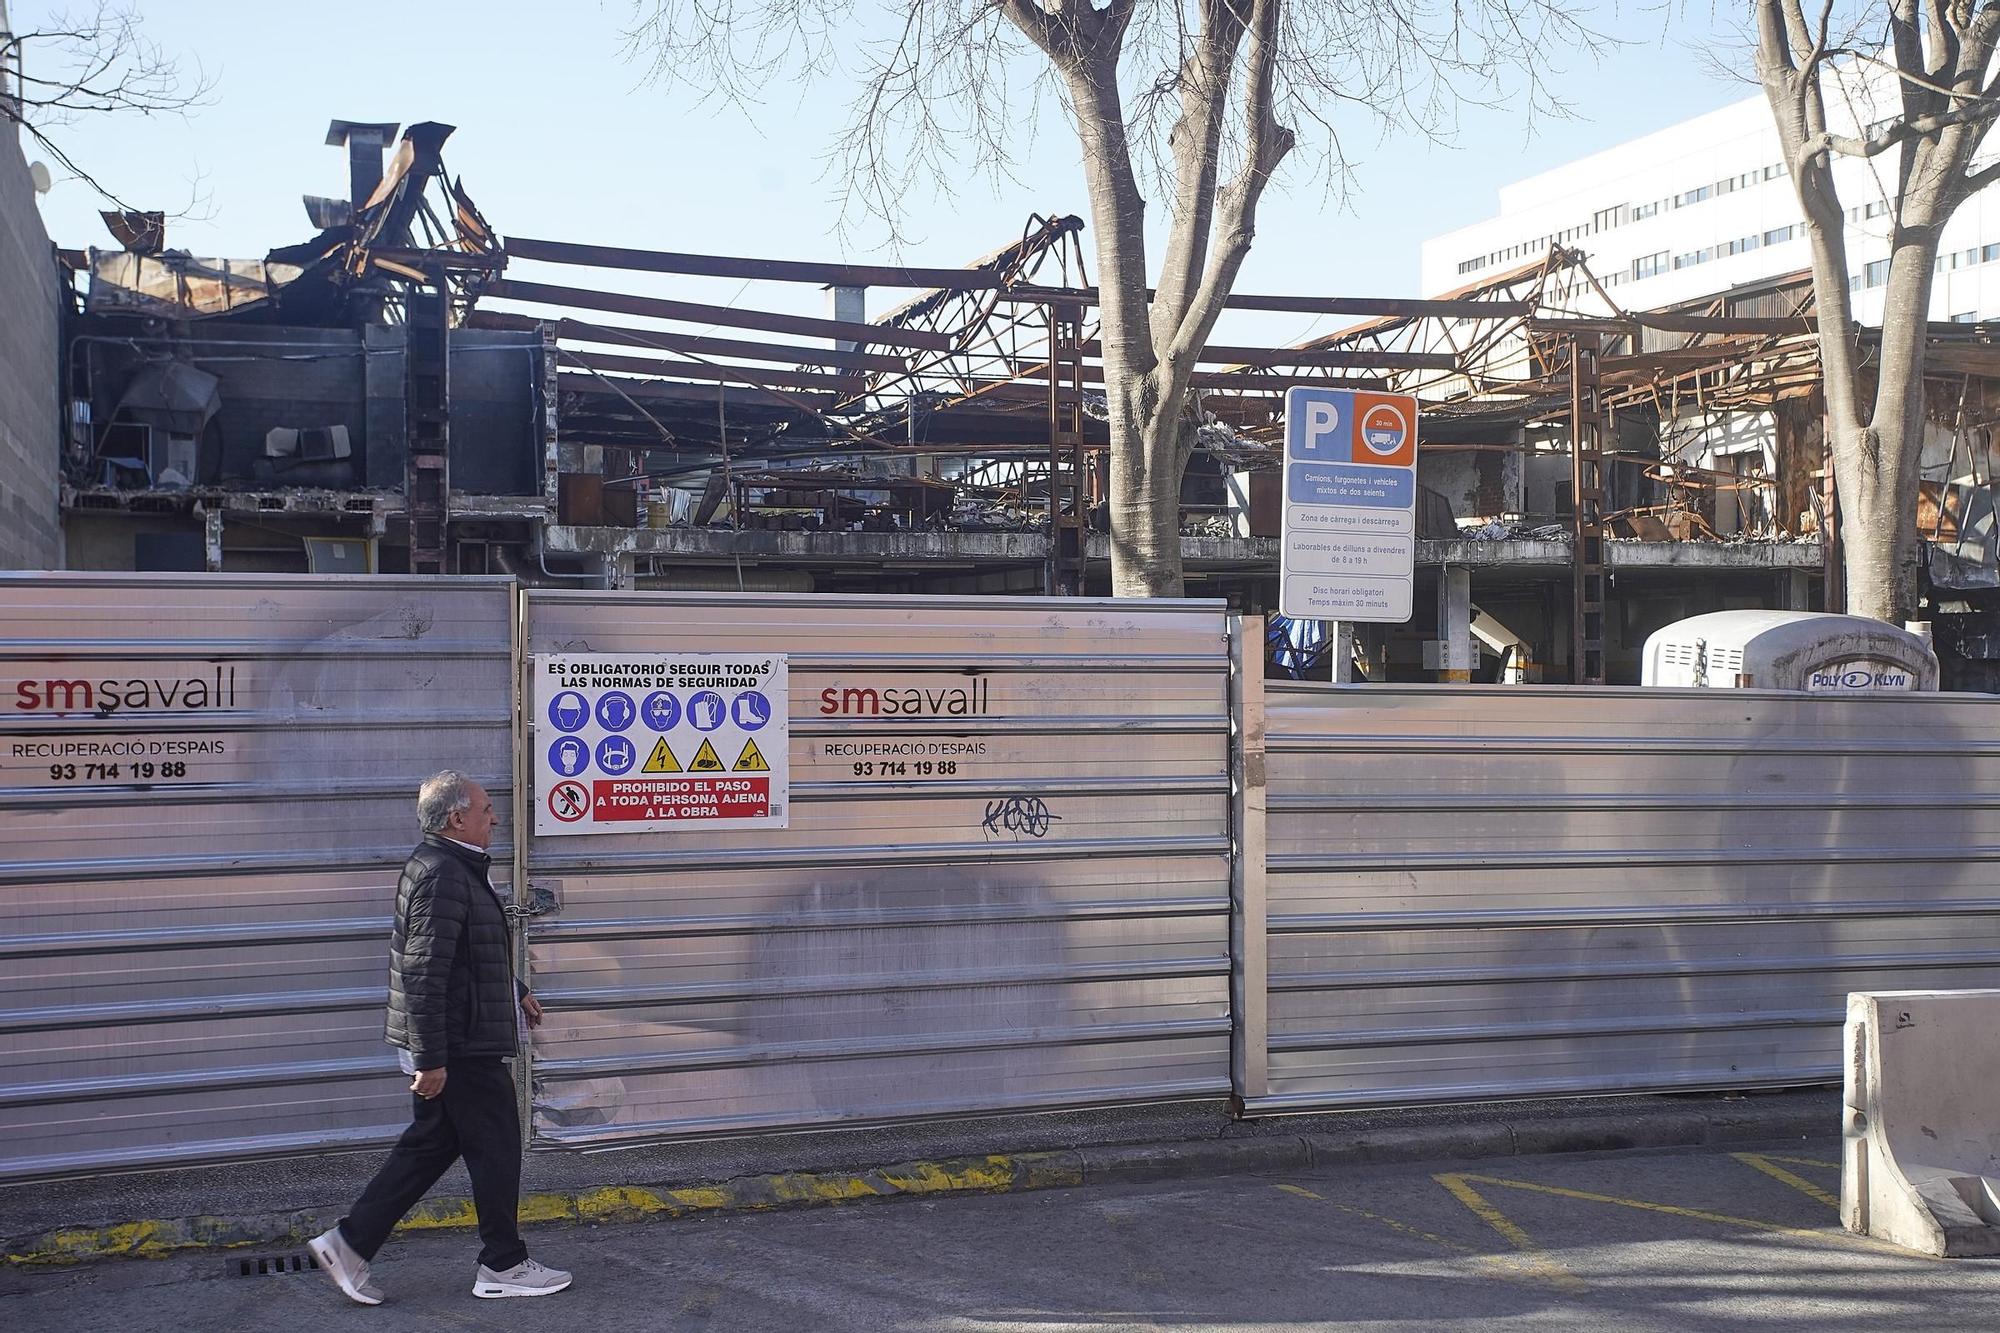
[[1631, 1241]]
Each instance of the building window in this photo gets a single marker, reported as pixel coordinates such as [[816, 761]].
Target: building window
[[1874, 210], [1693, 196], [1725, 187], [1648, 265], [1640, 211], [1969, 317], [1780, 236], [1989, 253], [1877, 273], [1607, 218]]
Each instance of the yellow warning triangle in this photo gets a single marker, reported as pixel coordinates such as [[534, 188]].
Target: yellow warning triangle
[[705, 760], [751, 760], [662, 760]]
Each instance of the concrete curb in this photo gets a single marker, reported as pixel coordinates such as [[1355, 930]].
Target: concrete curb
[[996, 1174]]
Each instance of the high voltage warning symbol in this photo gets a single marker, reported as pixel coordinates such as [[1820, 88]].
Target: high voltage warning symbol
[[705, 760], [662, 759], [751, 760]]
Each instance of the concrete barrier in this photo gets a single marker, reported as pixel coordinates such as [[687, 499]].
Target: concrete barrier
[[1920, 1161]]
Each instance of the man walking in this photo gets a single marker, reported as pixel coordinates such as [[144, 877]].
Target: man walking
[[454, 1013]]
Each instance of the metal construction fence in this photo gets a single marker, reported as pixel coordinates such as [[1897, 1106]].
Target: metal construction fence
[[958, 857], [1483, 892], [1004, 884], [205, 799]]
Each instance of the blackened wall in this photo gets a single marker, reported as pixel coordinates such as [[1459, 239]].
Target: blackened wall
[[314, 378], [30, 415]]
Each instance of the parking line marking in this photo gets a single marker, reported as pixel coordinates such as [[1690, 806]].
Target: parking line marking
[[1769, 1166], [1756, 1224], [1504, 1265], [1403, 1228], [1537, 1258], [1799, 1161]]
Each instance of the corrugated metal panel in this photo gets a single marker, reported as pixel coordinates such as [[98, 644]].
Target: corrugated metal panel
[[193, 965], [1479, 892], [888, 955]]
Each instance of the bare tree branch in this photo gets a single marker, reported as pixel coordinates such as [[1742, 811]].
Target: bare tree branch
[[1935, 59], [1200, 101], [96, 64]]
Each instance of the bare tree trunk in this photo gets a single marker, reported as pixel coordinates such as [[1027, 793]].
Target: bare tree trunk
[[1147, 463], [1877, 466]]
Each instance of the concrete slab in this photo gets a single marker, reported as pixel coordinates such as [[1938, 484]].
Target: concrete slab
[[1921, 1152]]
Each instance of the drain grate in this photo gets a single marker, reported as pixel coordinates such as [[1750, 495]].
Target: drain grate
[[270, 1265]]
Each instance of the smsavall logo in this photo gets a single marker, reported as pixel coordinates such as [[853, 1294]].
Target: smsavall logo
[[202, 689], [972, 699]]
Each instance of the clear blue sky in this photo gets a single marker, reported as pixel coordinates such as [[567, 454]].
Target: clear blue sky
[[559, 137]]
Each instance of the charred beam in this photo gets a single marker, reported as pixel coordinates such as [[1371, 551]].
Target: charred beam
[[754, 376], [581, 382], [652, 307], [773, 270], [1286, 357], [1311, 305]]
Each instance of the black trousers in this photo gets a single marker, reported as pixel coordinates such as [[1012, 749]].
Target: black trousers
[[473, 1118]]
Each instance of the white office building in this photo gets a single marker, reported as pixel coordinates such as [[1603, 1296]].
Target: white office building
[[1706, 205]]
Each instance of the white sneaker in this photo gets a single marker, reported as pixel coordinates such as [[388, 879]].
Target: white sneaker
[[348, 1270], [526, 1278]]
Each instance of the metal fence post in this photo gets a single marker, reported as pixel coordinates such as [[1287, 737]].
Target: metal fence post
[[524, 894], [1248, 938]]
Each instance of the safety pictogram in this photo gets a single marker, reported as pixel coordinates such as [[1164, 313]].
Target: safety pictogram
[[642, 742], [662, 759], [569, 802]]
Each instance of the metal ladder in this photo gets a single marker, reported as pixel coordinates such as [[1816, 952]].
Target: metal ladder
[[1587, 494], [1069, 505], [427, 416]]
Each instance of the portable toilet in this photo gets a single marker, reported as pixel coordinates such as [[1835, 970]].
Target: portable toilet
[[1816, 651]]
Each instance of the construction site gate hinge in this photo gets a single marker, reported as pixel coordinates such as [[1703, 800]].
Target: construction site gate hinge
[[541, 901]]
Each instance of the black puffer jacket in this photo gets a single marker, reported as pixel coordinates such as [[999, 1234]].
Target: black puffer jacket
[[451, 963]]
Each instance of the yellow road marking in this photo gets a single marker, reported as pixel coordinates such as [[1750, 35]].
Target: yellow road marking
[[1536, 1258], [1799, 1161], [1505, 1265], [1769, 1166], [1672, 1210], [1377, 1217]]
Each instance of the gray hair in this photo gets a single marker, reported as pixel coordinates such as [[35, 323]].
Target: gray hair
[[442, 796]]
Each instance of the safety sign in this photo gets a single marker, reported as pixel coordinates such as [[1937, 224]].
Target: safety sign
[[1349, 544], [635, 744]]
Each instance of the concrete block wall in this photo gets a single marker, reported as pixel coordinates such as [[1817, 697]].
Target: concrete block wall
[[30, 420]]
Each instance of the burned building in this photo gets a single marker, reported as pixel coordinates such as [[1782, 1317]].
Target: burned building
[[314, 410], [407, 390]]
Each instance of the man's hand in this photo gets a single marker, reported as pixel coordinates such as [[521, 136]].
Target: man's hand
[[531, 1009], [428, 1083]]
